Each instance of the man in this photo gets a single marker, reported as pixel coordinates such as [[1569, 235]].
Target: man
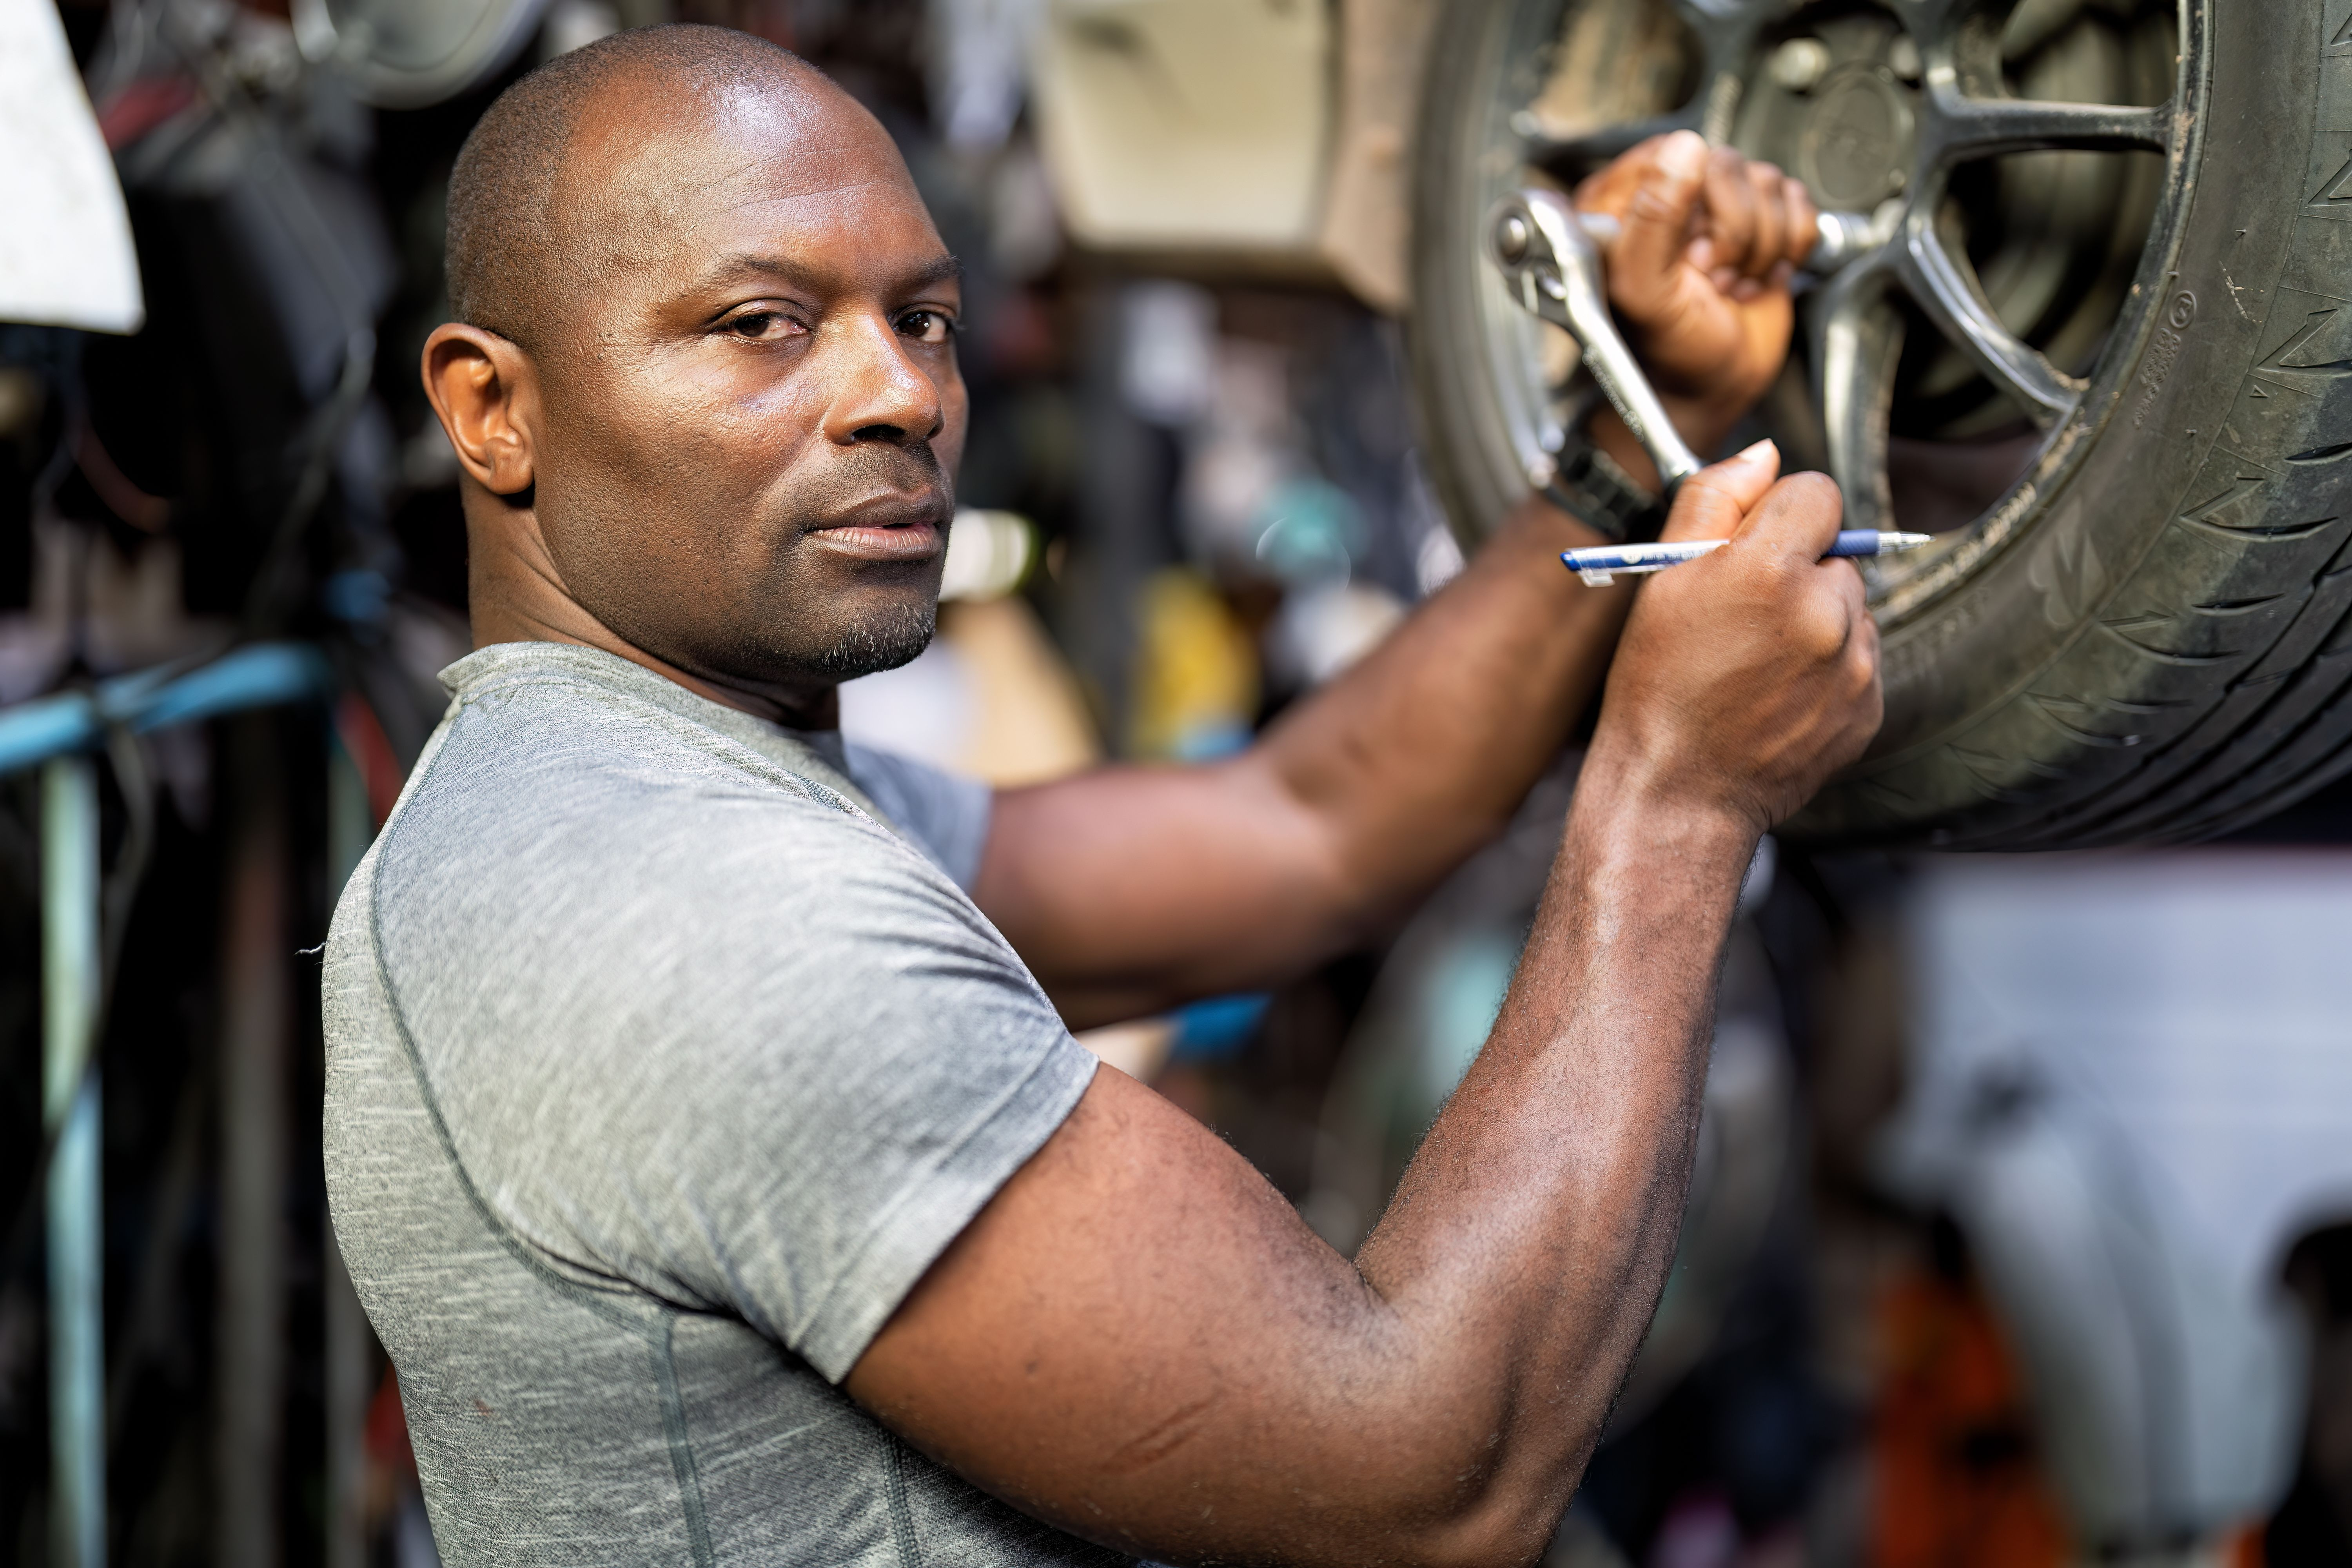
[[724, 1186]]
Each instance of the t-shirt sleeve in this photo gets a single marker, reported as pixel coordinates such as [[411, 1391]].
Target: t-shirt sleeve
[[755, 1057], [945, 814]]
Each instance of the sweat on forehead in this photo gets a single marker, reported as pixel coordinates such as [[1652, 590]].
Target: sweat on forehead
[[520, 173]]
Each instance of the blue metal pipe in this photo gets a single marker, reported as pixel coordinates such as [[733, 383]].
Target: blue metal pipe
[[56, 732], [46, 727], [70, 985], [260, 675]]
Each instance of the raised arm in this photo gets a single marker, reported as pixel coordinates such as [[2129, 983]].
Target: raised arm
[[1129, 888], [1140, 1340]]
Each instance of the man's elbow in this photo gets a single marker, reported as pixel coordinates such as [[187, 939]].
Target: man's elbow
[[1490, 1509], [1513, 1523]]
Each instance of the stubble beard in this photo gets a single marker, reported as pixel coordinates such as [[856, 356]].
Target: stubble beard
[[884, 641], [897, 633]]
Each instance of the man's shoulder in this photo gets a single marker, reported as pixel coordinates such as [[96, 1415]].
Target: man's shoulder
[[546, 828], [530, 789], [556, 778], [538, 759], [585, 729], [567, 881]]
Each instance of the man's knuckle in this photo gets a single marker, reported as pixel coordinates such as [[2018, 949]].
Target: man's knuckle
[[1826, 626], [1650, 204]]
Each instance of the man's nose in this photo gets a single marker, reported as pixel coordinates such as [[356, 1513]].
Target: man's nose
[[879, 392]]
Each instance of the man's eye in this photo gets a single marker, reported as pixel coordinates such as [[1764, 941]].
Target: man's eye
[[927, 326], [761, 324]]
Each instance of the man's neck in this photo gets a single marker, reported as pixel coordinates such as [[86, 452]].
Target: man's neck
[[517, 596]]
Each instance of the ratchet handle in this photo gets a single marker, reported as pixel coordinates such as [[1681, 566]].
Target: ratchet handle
[[1545, 251], [1839, 237]]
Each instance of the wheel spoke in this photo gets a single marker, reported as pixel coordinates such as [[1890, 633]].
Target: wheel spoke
[[1725, 24], [1923, 19], [1857, 341], [1988, 127], [1587, 149], [1951, 301], [1701, 14]]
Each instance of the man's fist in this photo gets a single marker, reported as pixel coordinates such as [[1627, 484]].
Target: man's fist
[[1699, 272], [1746, 678]]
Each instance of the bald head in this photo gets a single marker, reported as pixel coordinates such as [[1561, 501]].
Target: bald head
[[702, 385], [520, 182]]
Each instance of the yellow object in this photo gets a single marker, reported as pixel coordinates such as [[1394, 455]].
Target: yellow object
[[1196, 672]]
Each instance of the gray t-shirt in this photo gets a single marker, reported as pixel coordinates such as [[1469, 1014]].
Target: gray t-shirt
[[658, 1070]]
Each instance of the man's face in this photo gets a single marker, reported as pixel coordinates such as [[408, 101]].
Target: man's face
[[751, 413]]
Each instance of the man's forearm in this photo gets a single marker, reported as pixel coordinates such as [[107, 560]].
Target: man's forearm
[[1132, 887], [1532, 1233], [1422, 752]]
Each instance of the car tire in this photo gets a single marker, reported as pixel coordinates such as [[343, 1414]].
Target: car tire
[[2146, 635]]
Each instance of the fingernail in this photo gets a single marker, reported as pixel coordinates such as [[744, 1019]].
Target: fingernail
[[1683, 154], [1757, 453]]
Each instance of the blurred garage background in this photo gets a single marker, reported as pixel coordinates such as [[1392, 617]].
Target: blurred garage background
[[2022, 1231]]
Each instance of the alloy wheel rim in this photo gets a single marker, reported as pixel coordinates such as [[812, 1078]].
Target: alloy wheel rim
[[1957, 111]]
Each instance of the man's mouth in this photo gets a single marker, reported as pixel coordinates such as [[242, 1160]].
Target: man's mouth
[[900, 541], [891, 532]]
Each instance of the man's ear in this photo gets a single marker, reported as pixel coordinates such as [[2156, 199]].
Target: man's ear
[[481, 386]]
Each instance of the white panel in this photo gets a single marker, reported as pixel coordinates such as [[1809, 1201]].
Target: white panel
[[1187, 124], [65, 257], [2201, 997]]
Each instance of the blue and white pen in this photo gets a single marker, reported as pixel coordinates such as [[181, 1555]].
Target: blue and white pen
[[1603, 563]]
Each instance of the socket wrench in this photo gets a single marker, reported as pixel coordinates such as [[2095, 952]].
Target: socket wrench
[[1550, 253]]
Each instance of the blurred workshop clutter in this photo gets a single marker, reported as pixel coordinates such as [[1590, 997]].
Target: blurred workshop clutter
[[2021, 1230]]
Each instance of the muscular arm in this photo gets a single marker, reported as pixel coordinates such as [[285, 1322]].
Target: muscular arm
[[1133, 887], [1130, 888], [1139, 1340]]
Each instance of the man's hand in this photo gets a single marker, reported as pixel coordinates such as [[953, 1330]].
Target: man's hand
[[1137, 1339], [1700, 277], [1746, 678]]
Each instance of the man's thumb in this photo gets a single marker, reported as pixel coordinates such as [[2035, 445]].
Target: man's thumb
[[1656, 225], [1713, 502]]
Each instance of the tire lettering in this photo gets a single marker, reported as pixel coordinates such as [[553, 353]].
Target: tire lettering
[[2163, 350]]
